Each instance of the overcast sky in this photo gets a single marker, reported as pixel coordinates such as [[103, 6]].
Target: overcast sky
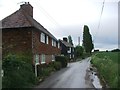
[[67, 17]]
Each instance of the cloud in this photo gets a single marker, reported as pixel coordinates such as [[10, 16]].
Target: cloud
[[104, 46]]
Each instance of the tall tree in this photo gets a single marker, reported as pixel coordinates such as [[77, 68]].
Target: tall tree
[[70, 39], [87, 40]]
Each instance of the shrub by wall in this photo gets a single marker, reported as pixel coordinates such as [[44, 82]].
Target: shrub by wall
[[44, 69], [56, 65], [62, 59], [17, 73]]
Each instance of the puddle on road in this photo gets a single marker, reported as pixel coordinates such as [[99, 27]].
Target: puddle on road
[[91, 78]]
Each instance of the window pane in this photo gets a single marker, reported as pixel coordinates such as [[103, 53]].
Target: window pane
[[53, 57], [43, 58], [36, 59], [43, 37], [58, 45], [47, 40], [54, 43]]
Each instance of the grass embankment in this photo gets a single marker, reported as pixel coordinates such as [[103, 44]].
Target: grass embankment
[[107, 64]]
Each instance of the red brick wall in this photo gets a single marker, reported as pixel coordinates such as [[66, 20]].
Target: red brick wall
[[20, 40], [42, 48], [16, 40]]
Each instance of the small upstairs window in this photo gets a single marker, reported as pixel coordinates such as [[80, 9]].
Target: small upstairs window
[[42, 37], [47, 40], [53, 43], [58, 45]]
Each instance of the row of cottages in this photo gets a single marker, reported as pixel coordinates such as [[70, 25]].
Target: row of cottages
[[67, 49], [22, 33]]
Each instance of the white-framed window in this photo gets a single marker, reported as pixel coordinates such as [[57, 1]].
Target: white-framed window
[[53, 57], [42, 36], [58, 45], [70, 56], [53, 43], [69, 50], [73, 49], [2, 72], [47, 40], [62, 55], [73, 55], [36, 58], [42, 58]]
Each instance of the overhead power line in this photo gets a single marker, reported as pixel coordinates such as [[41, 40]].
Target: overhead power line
[[101, 14], [48, 15], [96, 34]]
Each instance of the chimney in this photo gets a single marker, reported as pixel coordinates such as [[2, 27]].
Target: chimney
[[65, 39], [27, 8]]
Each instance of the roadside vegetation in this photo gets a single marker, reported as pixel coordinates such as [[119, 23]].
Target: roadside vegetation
[[46, 69], [107, 64], [19, 71]]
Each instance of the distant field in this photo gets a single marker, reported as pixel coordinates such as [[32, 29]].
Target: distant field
[[107, 65], [111, 55]]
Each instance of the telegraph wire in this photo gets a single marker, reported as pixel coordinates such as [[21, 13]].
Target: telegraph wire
[[48, 15], [41, 10], [98, 28]]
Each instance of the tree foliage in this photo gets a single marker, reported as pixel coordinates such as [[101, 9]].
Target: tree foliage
[[115, 50], [79, 51], [87, 40], [70, 39]]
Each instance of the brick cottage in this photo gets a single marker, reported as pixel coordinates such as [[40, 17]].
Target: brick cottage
[[22, 33]]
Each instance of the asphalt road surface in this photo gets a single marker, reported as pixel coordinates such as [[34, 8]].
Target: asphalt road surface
[[73, 76]]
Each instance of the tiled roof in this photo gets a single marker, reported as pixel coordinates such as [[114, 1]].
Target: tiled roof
[[21, 19], [66, 43], [16, 20]]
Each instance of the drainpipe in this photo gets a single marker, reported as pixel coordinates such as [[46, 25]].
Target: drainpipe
[[34, 56], [35, 70]]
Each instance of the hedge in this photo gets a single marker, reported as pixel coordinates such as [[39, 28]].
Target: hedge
[[17, 73], [62, 59]]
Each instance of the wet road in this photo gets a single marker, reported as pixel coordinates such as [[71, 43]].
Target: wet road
[[71, 77]]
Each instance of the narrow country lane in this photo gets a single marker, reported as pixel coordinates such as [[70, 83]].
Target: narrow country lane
[[71, 77]]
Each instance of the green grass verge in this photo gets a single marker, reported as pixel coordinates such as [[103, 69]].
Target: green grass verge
[[107, 65]]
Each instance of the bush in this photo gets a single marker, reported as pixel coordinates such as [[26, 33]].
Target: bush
[[17, 73], [62, 59], [44, 70], [57, 65]]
